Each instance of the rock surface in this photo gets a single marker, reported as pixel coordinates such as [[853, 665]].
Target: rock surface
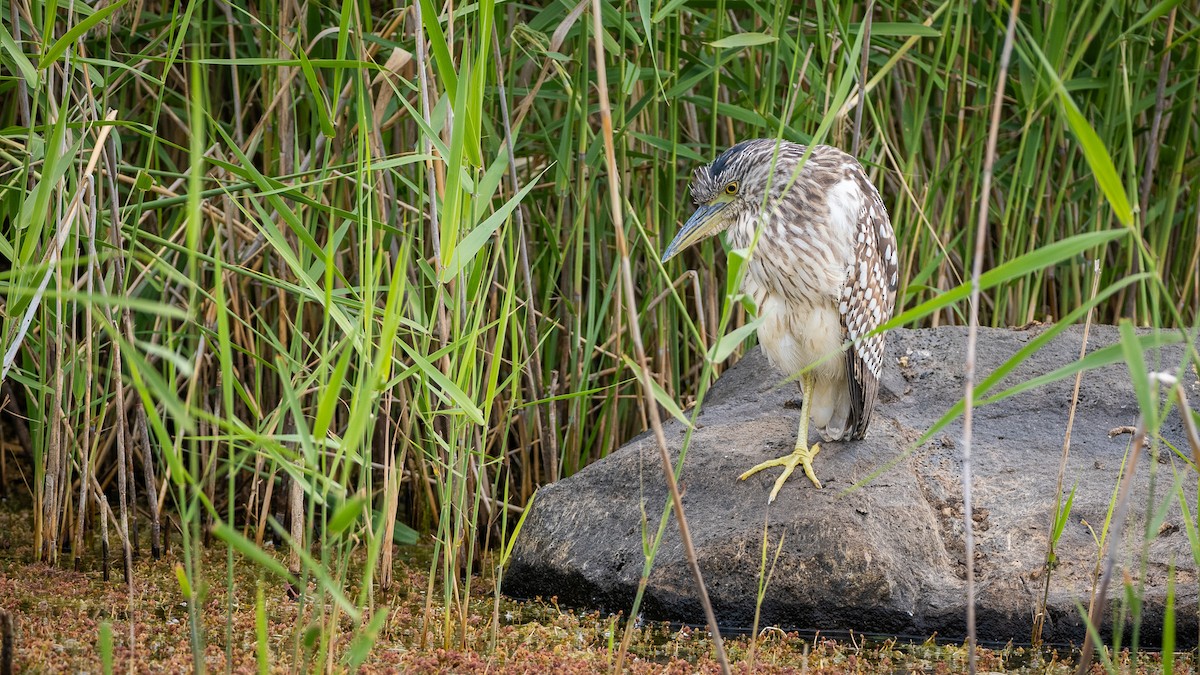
[[888, 557]]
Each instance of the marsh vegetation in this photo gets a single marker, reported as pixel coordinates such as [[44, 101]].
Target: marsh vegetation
[[289, 286]]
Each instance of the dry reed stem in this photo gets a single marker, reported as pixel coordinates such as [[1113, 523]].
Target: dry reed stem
[[616, 206], [973, 330]]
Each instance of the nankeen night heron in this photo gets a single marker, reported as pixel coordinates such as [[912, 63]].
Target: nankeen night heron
[[823, 275]]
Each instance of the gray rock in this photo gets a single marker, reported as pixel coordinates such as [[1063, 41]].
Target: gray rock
[[888, 557]]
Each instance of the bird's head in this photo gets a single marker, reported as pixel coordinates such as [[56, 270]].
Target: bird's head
[[733, 184]]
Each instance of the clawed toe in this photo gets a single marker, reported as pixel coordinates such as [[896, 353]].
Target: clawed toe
[[799, 457]]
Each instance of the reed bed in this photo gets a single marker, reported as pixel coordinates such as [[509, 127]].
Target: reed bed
[[336, 277]]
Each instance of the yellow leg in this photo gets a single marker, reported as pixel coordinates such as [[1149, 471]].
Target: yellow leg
[[803, 455]]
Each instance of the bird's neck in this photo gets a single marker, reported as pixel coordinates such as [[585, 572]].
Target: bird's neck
[[746, 227]]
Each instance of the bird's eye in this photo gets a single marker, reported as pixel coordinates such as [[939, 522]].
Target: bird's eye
[[732, 188]]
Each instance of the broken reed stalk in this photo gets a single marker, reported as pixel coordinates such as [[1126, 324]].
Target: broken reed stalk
[[296, 515], [973, 330], [1039, 619], [617, 208], [1096, 608]]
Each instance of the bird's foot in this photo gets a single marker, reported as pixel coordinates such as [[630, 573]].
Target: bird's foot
[[801, 456]]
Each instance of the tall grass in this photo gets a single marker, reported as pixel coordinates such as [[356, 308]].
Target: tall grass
[[314, 279]]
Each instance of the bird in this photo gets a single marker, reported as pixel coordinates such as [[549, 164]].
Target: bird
[[822, 271]]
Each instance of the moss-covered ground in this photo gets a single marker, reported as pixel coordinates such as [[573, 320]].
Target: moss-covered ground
[[59, 613]]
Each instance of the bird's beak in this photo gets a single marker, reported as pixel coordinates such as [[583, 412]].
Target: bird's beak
[[704, 223]]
